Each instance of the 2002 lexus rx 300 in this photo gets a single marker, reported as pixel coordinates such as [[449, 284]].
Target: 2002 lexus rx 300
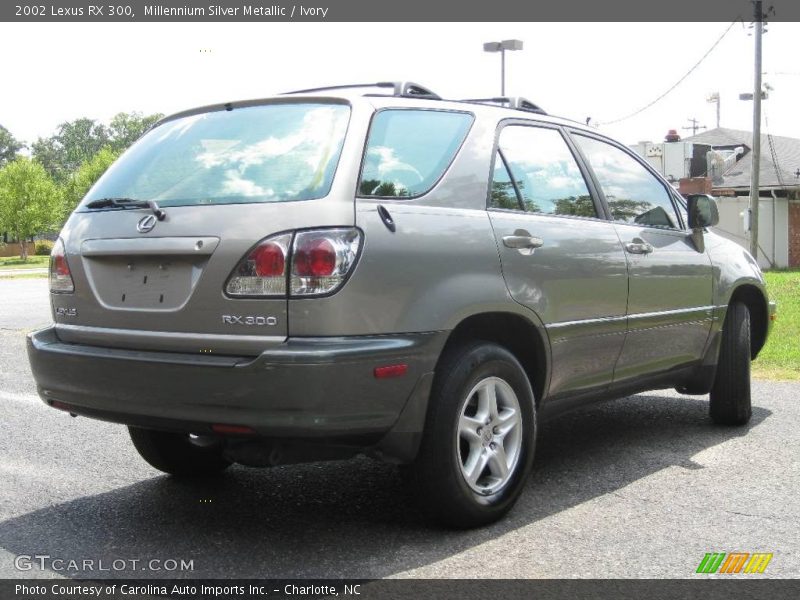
[[372, 269]]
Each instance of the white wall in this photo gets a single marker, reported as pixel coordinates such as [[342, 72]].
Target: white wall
[[773, 250]]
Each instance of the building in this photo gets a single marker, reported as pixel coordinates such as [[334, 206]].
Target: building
[[725, 173]]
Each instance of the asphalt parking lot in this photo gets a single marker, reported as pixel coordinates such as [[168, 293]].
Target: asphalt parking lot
[[640, 487]]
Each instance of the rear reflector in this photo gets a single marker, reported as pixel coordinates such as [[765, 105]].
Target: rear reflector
[[232, 429], [390, 371], [60, 405]]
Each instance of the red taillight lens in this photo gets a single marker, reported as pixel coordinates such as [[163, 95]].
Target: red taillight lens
[[60, 275], [262, 273], [316, 258], [269, 260]]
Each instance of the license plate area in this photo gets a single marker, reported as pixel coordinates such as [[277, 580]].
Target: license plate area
[[144, 282]]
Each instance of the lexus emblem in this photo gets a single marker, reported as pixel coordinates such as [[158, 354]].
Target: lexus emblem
[[147, 223]]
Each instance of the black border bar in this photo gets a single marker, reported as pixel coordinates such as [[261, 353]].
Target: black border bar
[[394, 11], [705, 587]]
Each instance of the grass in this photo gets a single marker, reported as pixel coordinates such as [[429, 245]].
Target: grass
[[780, 358], [33, 262]]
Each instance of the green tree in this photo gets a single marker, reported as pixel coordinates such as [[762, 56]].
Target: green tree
[[29, 200], [504, 195], [85, 177], [126, 128], [75, 142], [623, 209], [9, 146], [580, 206]]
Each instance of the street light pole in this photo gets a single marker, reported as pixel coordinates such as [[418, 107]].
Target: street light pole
[[501, 47], [502, 71], [756, 162]]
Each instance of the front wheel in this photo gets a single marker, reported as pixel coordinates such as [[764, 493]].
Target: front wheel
[[178, 453], [730, 397], [478, 445]]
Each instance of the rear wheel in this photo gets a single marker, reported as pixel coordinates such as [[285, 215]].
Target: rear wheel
[[730, 397], [478, 445], [178, 453]]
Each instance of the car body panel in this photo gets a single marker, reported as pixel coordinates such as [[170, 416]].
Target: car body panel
[[670, 304]]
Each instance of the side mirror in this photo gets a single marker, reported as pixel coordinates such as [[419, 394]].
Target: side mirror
[[702, 210]]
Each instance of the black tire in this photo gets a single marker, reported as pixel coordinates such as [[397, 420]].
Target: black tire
[[438, 474], [730, 396], [175, 454]]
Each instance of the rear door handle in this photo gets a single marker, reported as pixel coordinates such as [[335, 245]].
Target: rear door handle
[[638, 247], [522, 242]]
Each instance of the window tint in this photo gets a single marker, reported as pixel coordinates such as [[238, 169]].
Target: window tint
[[634, 195], [409, 150], [545, 172], [270, 153]]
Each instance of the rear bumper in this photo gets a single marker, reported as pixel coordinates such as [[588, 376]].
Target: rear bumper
[[304, 388]]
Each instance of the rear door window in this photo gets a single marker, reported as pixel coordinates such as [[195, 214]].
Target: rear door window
[[409, 150], [546, 177]]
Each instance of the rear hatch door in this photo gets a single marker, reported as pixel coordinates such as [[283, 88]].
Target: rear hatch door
[[226, 180]]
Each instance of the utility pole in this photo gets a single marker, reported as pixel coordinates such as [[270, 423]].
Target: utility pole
[[695, 125], [756, 161]]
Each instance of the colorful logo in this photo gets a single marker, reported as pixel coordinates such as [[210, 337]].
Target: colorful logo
[[734, 562]]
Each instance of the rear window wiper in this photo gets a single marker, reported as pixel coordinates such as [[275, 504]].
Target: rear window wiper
[[128, 203]]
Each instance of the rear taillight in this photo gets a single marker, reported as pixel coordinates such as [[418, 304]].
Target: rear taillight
[[60, 276], [262, 273], [322, 260], [313, 263]]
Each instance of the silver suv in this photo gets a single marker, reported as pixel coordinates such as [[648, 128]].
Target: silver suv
[[373, 269]]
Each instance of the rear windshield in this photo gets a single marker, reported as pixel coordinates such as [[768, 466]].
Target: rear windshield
[[409, 150], [270, 153]]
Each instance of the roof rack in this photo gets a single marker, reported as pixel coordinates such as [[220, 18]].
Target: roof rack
[[515, 102], [406, 89]]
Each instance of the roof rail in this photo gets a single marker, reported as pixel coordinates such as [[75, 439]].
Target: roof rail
[[399, 88], [515, 102]]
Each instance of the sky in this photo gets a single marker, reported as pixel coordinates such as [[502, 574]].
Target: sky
[[56, 72]]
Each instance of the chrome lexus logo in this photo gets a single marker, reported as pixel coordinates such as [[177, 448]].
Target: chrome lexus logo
[[147, 223]]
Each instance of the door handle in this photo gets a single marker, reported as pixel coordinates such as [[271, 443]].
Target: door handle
[[638, 246], [522, 242]]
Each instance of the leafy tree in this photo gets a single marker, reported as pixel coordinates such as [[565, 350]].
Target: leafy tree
[[383, 189], [85, 177], [580, 206], [9, 146], [29, 200], [504, 195], [126, 128], [78, 141], [74, 143], [624, 209]]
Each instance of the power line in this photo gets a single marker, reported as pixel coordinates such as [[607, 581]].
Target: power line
[[677, 83]]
